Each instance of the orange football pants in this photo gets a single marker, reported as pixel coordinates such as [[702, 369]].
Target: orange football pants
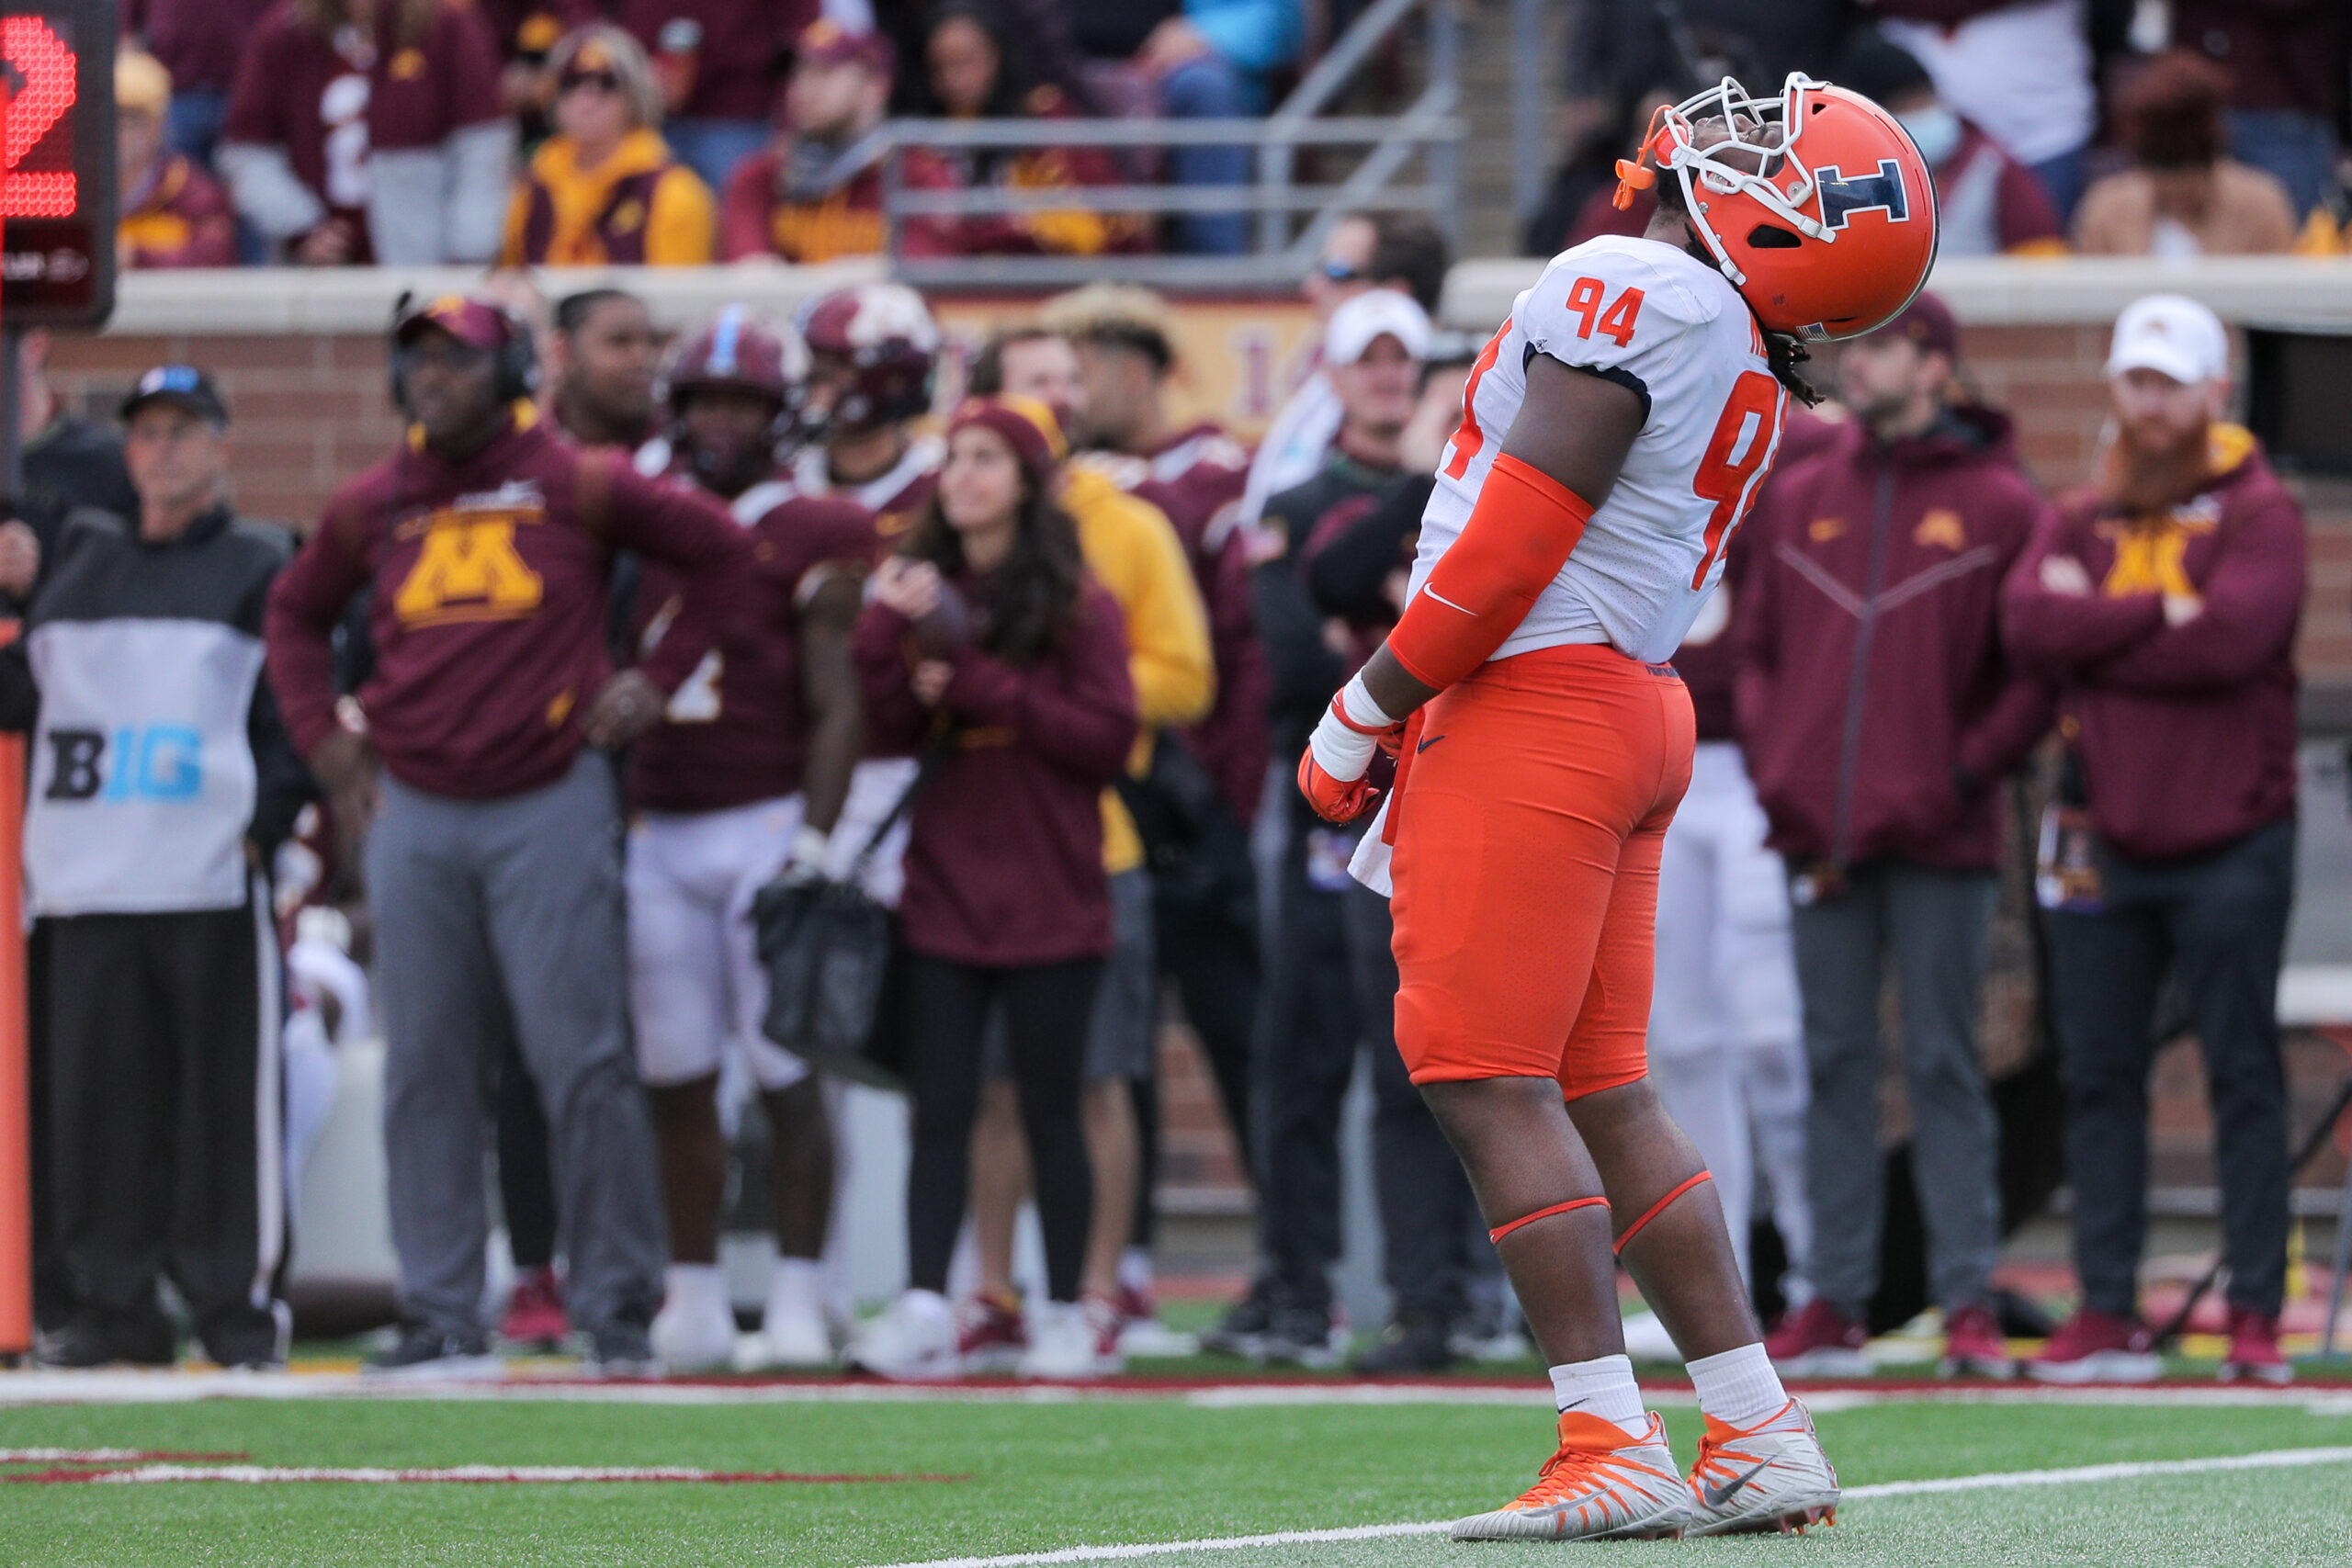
[[1526, 833]]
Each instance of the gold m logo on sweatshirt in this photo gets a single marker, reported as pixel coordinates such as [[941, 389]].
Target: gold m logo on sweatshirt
[[2150, 560], [468, 569]]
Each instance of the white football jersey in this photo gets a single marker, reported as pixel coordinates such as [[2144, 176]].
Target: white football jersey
[[1646, 315]]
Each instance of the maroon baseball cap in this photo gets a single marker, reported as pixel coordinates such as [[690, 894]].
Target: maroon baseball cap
[[478, 323], [1027, 425], [1928, 322], [826, 42]]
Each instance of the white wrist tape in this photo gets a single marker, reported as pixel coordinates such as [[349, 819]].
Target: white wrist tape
[[1343, 747], [811, 847]]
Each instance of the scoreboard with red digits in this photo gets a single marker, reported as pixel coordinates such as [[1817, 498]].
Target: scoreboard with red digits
[[57, 193]]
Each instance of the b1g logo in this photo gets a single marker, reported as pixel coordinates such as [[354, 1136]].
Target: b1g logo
[[162, 761], [1842, 195]]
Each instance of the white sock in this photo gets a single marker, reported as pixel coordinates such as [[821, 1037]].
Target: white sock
[[1603, 1387], [695, 1287], [1135, 1269], [1739, 1387], [792, 1283]]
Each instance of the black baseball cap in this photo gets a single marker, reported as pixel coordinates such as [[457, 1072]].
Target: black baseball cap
[[182, 386]]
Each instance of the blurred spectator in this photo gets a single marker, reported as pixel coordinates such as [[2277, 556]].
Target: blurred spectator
[[1878, 714], [718, 63], [604, 352], [2166, 599], [604, 190], [1986, 202], [2183, 197], [1199, 60], [974, 70], [2023, 71], [1132, 552], [69, 461], [162, 778], [2287, 63], [527, 32], [1619, 49], [1594, 173], [173, 212], [1206, 778], [741, 782], [347, 141], [787, 201], [1048, 50], [493, 847], [871, 349], [1402, 251], [1333, 985], [1006, 903], [197, 42]]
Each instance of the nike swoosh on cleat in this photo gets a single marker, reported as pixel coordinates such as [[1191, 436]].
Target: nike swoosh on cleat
[[1718, 1496], [1417, 751]]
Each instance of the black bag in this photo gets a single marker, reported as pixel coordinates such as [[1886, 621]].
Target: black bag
[[829, 952], [1197, 848]]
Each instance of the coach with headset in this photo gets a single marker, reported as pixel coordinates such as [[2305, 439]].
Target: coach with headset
[[493, 832]]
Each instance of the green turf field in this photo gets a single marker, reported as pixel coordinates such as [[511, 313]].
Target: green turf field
[[1093, 1472]]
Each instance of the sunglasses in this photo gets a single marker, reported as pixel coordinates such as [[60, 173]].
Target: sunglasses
[[602, 80]]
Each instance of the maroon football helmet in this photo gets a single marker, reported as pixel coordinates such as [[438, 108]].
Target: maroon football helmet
[[737, 353], [871, 349]]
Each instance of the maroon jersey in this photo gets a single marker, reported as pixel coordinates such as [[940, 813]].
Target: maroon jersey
[[330, 102], [892, 497], [736, 730], [1197, 477], [489, 608], [737, 62], [197, 40]]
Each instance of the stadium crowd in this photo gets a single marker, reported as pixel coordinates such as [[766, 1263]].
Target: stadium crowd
[[626, 633]]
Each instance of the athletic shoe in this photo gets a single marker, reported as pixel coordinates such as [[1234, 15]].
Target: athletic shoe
[[2254, 1350], [626, 1350], [1243, 1328], [94, 1336], [1601, 1485], [1491, 1334], [2099, 1347], [694, 1331], [1770, 1476], [990, 1334], [912, 1340], [1818, 1341], [422, 1352], [1303, 1336], [1975, 1346], [1414, 1342], [794, 1335], [248, 1343], [1072, 1342], [1140, 1331], [535, 1316]]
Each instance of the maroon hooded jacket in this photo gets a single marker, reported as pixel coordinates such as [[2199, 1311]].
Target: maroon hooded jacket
[[1004, 859], [2187, 733], [1875, 703]]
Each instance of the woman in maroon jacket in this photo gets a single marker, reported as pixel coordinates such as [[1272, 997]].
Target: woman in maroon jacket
[[986, 628]]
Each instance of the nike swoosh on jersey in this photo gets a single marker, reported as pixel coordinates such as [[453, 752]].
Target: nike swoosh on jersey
[[1447, 603], [1427, 744]]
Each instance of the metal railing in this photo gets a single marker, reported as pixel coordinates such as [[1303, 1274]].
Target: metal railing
[[1291, 219]]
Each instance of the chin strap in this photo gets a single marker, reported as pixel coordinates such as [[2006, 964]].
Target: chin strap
[[1655, 1210], [1503, 1230]]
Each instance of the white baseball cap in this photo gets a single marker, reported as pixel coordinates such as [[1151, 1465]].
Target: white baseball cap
[[2173, 335], [1374, 314]]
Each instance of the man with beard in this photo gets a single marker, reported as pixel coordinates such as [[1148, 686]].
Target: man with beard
[[741, 782], [1878, 714], [2165, 600], [606, 352]]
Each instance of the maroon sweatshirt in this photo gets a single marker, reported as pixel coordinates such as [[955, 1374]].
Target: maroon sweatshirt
[[1870, 659], [2187, 734], [736, 730], [195, 41], [489, 609], [1004, 866]]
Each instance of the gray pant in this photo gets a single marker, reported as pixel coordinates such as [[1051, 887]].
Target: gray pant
[[505, 915], [1935, 926]]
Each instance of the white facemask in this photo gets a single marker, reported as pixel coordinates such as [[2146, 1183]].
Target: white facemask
[[1935, 129]]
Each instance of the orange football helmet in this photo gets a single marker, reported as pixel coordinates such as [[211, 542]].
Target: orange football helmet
[[1814, 203]]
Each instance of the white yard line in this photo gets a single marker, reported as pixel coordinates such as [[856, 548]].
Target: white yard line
[[2275, 1458], [264, 1474]]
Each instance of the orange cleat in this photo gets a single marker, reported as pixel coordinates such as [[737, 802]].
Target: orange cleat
[[1601, 1485], [1771, 1476]]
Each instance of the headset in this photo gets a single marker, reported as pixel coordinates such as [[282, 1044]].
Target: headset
[[516, 362]]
